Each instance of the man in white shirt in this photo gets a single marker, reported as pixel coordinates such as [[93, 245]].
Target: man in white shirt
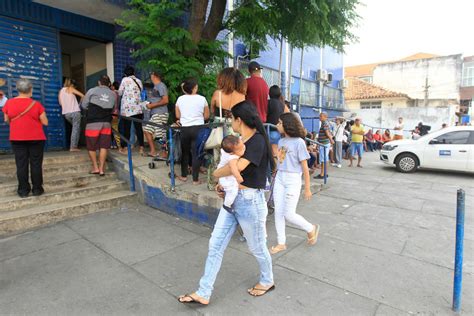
[[3, 99], [398, 130]]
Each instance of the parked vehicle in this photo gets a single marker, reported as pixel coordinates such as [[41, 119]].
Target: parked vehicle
[[450, 148]]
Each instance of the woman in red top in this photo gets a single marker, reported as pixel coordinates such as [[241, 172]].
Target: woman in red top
[[378, 139], [26, 118]]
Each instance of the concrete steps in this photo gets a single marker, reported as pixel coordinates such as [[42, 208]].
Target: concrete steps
[[70, 191], [27, 218], [58, 182], [51, 170]]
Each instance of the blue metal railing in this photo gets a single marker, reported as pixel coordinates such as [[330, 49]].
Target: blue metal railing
[[130, 159], [171, 148]]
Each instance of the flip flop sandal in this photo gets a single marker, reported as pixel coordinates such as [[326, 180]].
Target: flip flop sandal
[[263, 291], [192, 301], [314, 236], [276, 249], [94, 172]]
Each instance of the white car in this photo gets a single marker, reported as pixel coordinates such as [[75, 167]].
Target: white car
[[450, 148]]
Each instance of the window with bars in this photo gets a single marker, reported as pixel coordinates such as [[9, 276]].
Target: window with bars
[[371, 105], [468, 74], [308, 92], [332, 97]]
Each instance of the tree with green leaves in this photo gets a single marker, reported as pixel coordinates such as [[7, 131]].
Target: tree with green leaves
[[179, 37]]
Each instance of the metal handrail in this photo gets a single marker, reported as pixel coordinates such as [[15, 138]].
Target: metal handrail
[[171, 145], [269, 125]]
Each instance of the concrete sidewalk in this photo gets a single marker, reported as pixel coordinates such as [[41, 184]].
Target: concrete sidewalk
[[386, 248]]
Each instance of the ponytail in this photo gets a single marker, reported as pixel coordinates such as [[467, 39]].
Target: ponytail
[[247, 112]]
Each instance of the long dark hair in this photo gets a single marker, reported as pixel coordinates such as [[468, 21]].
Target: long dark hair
[[292, 125], [247, 112]]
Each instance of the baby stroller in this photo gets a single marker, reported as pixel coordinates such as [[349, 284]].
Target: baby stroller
[[164, 144]]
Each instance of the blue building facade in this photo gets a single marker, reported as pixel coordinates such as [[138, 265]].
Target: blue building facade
[[307, 95], [33, 39], [46, 44]]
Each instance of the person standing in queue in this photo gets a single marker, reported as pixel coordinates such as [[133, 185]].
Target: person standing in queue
[[257, 90], [191, 112], [158, 105], [27, 118], [130, 90], [70, 109], [99, 103]]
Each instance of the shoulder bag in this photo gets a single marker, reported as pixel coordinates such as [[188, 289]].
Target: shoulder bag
[[217, 133], [24, 112]]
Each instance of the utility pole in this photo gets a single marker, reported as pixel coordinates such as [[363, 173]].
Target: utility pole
[[290, 74], [321, 88], [279, 63], [301, 79], [426, 92]]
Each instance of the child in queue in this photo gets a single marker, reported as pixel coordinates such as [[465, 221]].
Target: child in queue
[[292, 163]]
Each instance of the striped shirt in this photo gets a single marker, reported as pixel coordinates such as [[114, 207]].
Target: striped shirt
[[322, 136]]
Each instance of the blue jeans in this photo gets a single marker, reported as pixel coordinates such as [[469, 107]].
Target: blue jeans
[[251, 213]]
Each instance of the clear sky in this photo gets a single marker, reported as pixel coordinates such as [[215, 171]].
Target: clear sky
[[393, 29]]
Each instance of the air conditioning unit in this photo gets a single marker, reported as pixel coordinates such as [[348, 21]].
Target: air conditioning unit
[[343, 84], [329, 76], [322, 75]]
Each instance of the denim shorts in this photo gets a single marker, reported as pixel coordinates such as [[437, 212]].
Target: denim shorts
[[274, 137], [324, 157], [357, 148]]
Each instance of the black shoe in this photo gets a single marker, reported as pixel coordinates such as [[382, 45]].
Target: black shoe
[[228, 209], [320, 176], [38, 192], [23, 195]]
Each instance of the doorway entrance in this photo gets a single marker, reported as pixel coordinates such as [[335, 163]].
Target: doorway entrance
[[84, 61]]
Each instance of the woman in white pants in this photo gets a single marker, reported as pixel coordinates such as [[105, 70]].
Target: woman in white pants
[[292, 164]]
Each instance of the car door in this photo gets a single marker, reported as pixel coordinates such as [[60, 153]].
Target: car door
[[470, 160], [449, 151]]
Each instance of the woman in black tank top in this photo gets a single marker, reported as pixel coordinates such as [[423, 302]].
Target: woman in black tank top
[[249, 208]]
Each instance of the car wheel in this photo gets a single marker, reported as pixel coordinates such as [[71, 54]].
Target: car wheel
[[406, 163]]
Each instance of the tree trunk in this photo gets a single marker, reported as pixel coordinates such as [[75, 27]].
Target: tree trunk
[[197, 19], [214, 22]]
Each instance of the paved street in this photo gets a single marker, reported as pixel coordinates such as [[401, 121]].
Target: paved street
[[386, 248]]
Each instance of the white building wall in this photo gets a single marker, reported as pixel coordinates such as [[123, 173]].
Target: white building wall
[[386, 118], [409, 77]]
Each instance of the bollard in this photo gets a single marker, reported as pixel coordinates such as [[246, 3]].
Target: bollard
[[171, 157], [130, 167], [457, 288], [325, 165]]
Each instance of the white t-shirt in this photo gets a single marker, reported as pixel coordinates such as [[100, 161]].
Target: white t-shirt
[[228, 181], [191, 107], [398, 131], [339, 133]]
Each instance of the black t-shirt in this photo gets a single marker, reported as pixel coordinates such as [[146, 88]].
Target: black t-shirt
[[256, 151], [275, 109]]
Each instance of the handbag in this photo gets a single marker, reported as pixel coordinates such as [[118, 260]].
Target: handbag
[[217, 134], [24, 112]]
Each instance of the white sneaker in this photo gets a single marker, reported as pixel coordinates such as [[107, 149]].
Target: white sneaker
[[339, 166], [334, 164]]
